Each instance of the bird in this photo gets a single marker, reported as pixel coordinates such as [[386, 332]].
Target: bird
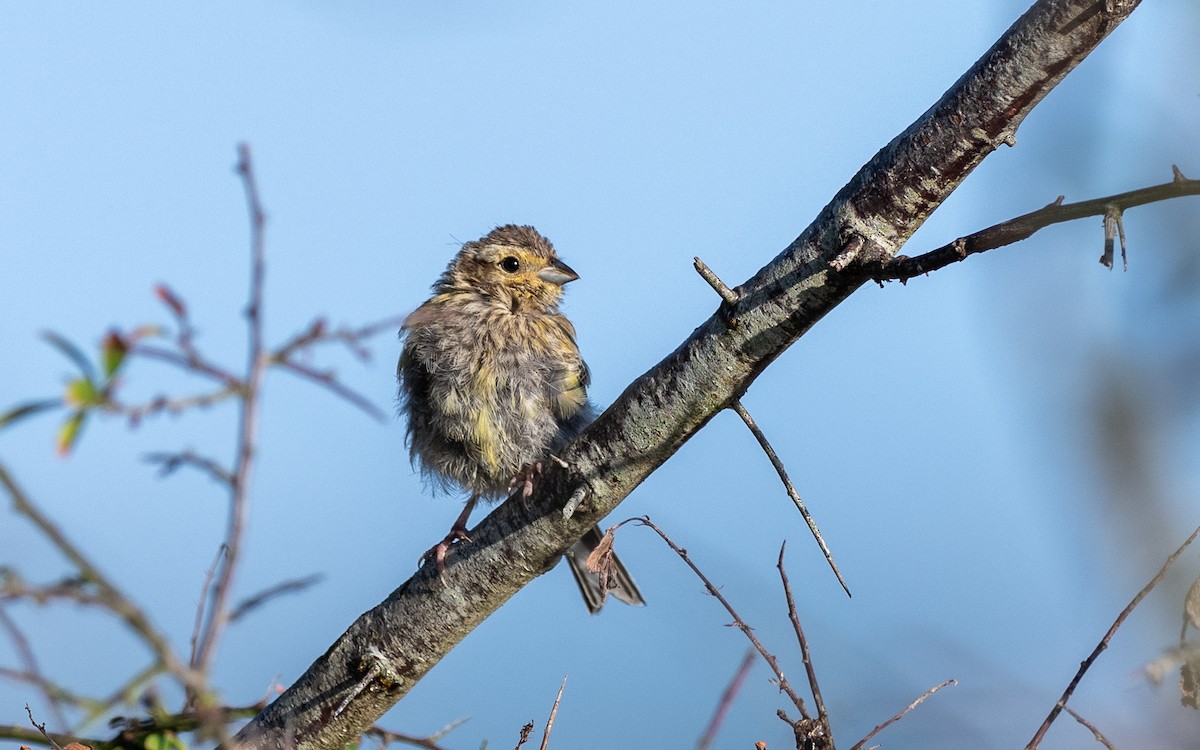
[[492, 385]]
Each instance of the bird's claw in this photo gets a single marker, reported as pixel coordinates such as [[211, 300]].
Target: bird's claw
[[525, 479], [437, 553]]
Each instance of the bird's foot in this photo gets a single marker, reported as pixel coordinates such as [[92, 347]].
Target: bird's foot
[[525, 479], [437, 553]]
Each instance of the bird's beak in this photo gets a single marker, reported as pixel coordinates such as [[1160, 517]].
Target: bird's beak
[[557, 273]]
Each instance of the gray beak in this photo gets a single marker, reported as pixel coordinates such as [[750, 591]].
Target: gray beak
[[557, 273]]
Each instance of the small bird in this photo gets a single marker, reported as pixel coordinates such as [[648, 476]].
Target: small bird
[[492, 383]]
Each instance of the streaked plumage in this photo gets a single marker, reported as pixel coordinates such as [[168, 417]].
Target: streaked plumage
[[491, 379]]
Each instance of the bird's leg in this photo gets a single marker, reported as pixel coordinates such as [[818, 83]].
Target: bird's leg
[[525, 478], [458, 532]]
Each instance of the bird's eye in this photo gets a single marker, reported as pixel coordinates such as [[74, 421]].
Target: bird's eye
[[510, 264]]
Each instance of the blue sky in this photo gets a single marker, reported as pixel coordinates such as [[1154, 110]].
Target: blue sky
[[942, 433]]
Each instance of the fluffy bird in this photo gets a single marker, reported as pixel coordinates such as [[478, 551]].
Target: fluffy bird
[[492, 383]]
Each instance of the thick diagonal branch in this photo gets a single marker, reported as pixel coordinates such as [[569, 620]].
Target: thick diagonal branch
[[883, 205]]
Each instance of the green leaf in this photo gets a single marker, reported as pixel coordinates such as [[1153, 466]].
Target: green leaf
[[27, 409], [112, 353], [71, 352], [69, 432], [163, 741], [81, 392]]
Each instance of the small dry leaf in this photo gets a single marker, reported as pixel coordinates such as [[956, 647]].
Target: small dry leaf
[[601, 557], [600, 562], [77, 746]]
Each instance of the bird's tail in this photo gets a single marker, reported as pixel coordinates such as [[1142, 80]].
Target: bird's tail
[[620, 584]]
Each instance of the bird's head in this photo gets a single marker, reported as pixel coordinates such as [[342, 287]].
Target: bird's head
[[513, 265]]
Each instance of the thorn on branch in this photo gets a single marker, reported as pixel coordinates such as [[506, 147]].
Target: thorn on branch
[[729, 296], [573, 502]]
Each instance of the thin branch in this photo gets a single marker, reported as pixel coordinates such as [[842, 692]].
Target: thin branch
[[190, 360], [387, 736], [738, 622], [318, 333], [822, 714], [76, 589], [218, 614], [1091, 728], [327, 380], [862, 743], [109, 595], [60, 693], [41, 729], [553, 713], [49, 691], [1103, 644], [903, 268], [791, 489], [125, 694], [169, 463], [202, 603], [723, 705], [285, 587]]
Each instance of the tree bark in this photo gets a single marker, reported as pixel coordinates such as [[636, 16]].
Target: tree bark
[[388, 649]]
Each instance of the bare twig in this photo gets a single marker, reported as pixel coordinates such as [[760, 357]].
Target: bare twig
[[862, 743], [318, 333], [723, 705], [790, 488], [822, 715], [285, 587], [76, 589], [190, 360], [740, 624], [387, 736], [159, 404], [203, 603], [1091, 728], [29, 662], [170, 462], [328, 381], [218, 613], [42, 729], [60, 693], [109, 596], [124, 694], [1103, 644], [553, 713], [903, 268]]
